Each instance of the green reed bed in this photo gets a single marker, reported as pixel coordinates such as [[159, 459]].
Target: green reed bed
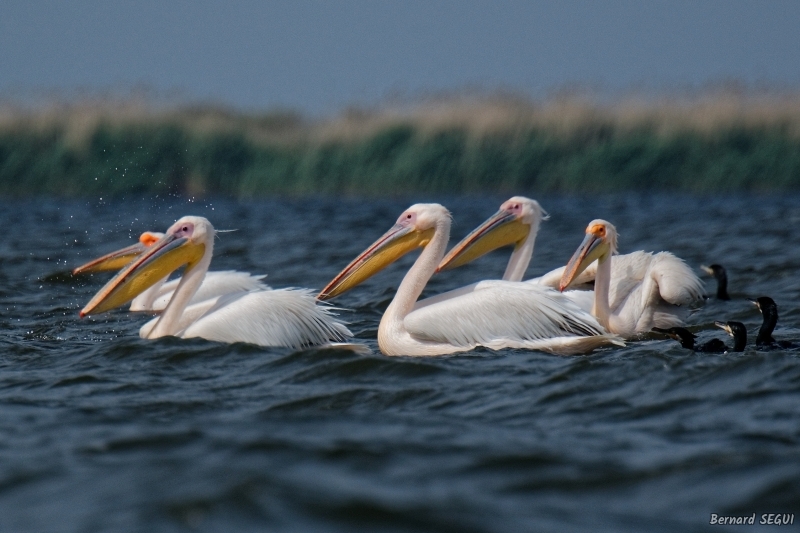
[[710, 144]]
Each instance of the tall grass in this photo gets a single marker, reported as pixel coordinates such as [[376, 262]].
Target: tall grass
[[724, 141]]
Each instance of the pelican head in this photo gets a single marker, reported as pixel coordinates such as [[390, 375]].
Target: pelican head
[[599, 244], [517, 218], [120, 258], [184, 244], [414, 229]]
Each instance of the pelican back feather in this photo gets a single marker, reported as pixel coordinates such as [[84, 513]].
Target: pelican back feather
[[505, 314], [280, 317], [677, 283]]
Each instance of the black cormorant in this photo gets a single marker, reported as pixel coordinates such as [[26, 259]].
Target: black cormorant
[[769, 310], [686, 338], [719, 273], [737, 331]]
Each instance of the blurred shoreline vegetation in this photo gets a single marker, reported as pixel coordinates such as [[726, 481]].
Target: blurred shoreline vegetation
[[716, 141]]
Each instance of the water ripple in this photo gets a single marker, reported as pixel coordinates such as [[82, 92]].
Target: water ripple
[[103, 431]]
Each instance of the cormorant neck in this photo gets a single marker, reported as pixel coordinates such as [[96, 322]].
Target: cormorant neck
[[739, 341], [767, 327], [722, 286]]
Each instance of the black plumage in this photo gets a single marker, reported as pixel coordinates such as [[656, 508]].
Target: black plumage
[[687, 338], [721, 275], [769, 310]]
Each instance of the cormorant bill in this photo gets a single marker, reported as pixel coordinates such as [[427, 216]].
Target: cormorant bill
[[769, 310], [737, 331], [719, 273]]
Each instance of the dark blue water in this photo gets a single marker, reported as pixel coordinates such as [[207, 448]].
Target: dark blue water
[[102, 431]]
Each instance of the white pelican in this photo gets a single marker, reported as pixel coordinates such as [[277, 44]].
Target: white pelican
[[494, 314], [657, 295], [281, 317], [215, 283], [517, 223]]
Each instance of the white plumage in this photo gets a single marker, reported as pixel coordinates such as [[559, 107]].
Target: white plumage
[[216, 283], [629, 266], [650, 289], [642, 289], [284, 317], [505, 314], [156, 297], [495, 314], [517, 223], [277, 317]]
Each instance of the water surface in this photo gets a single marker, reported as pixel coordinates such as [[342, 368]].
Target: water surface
[[103, 431]]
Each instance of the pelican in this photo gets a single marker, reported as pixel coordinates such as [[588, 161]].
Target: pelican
[[517, 223], [156, 297], [657, 297], [281, 317], [494, 314]]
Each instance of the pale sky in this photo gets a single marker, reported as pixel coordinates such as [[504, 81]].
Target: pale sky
[[321, 56]]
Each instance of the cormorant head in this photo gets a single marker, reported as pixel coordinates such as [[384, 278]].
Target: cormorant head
[[719, 273], [738, 331], [765, 304], [682, 335]]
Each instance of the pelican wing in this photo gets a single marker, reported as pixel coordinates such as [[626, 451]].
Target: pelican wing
[[652, 290], [503, 314], [582, 298], [280, 317], [677, 283], [215, 284], [419, 304]]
